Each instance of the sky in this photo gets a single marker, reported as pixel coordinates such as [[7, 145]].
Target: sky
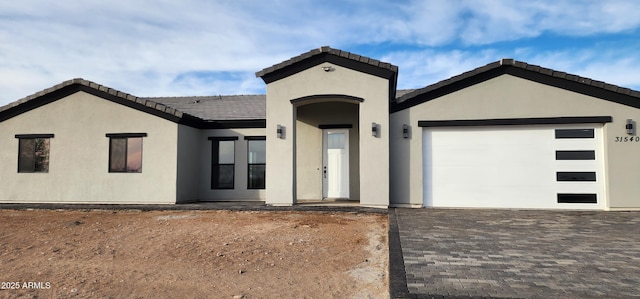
[[214, 47]]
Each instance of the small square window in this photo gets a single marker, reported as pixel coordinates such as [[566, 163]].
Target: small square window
[[125, 152], [33, 153]]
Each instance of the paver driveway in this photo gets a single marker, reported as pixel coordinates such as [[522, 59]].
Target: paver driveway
[[520, 254]]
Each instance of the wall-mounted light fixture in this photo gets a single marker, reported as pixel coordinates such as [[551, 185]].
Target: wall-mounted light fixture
[[280, 132], [405, 131], [327, 68], [375, 130], [630, 127]]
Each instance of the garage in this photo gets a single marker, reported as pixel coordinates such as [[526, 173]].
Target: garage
[[546, 166]]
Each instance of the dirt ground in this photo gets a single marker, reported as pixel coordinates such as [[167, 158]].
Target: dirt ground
[[192, 254]]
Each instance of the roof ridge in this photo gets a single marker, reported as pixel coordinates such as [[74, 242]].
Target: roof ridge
[[208, 96], [111, 91], [328, 50], [526, 66]]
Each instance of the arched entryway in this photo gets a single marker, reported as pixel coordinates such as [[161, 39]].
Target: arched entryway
[[327, 155]]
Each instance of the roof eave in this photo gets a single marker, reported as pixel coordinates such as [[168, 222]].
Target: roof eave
[[70, 87], [523, 70], [335, 56]]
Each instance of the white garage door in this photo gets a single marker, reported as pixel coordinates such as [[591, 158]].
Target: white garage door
[[539, 166]]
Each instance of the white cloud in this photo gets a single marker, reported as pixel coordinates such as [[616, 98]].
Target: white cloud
[[611, 65], [424, 67], [421, 68], [439, 22], [142, 47]]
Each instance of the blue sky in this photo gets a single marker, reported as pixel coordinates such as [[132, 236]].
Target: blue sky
[[200, 47]]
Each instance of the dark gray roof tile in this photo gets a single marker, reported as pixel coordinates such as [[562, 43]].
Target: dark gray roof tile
[[546, 71], [624, 90], [518, 64], [86, 83], [326, 49], [585, 80], [559, 74], [610, 87], [212, 108], [401, 92]]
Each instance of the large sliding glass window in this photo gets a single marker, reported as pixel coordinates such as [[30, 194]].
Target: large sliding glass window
[[256, 159], [222, 162]]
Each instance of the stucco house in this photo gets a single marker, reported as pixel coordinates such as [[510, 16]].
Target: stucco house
[[333, 125]]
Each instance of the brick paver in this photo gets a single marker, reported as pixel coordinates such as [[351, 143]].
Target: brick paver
[[520, 254]]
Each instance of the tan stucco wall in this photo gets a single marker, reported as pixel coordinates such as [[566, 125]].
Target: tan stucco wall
[[203, 147], [78, 167], [309, 149], [512, 97], [374, 152]]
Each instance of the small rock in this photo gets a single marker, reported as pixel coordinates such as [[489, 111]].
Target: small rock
[[241, 271], [238, 296]]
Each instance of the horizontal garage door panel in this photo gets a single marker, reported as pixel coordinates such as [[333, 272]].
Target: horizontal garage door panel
[[502, 167]]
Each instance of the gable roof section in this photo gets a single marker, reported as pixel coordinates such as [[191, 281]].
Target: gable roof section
[[70, 87], [338, 57], [215, 112], [523, 70]]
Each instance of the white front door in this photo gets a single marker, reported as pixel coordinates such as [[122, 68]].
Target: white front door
[[335, 170]]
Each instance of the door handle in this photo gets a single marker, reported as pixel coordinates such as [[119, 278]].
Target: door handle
[[324, 171]]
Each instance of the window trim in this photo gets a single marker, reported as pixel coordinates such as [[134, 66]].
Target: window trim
[[223, 138], [20, 137], [33, 136], [249, 139], [125, 136], [215, 153]]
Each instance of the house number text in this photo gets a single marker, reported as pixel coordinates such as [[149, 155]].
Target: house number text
[[627, 139]]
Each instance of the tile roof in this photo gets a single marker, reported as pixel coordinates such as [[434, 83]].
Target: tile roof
[[233, 107], [524, 66], [133, 100], [329, 50], [209, 109], [401, 92]]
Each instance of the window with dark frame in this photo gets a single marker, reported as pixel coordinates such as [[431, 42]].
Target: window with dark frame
[[256, 162], [223, 162], [125, 152], [33, 153]]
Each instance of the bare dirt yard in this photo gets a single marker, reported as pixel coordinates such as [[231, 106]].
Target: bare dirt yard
[[192, 254]]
